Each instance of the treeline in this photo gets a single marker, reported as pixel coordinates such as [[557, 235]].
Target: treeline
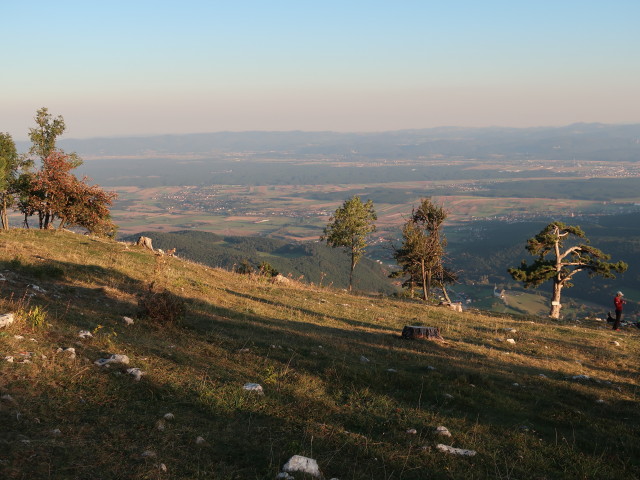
[[312, 262]]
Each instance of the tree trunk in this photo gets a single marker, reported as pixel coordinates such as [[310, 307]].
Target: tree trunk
[[353, 265], [425, 288], [5, 218], [446, 295], [555, 300]]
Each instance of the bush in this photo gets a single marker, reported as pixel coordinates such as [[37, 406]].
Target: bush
[[162, 307]]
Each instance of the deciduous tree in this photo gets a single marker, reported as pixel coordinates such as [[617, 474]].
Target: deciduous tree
[[423, 247], [9, 165], [349, 227], [562, 251]]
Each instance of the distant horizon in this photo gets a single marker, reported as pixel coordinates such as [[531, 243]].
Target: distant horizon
[[65, 137]]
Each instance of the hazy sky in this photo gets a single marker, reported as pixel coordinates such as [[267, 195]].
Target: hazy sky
[[147, 67]]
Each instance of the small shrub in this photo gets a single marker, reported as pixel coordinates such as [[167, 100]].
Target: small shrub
[[162, 307], [36, 317]]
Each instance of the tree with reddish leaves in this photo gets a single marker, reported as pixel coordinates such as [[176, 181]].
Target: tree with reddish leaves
[[56, 193]]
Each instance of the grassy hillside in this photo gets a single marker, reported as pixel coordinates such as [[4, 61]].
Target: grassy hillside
[[339, 385], [314, 262]]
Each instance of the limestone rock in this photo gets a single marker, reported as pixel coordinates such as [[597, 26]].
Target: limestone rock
[[455, 451], [145, 242], [301, 464], [6, 319]]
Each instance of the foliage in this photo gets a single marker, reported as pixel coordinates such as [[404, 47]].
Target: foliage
[[35, 317], [423, 247], [43, 137], [54, 192], [163, 308], [559, 261], [349, 227], [267, 270], [9, 164]]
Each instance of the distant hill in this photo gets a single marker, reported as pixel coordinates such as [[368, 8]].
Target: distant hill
[[310, 260], [593, 141]]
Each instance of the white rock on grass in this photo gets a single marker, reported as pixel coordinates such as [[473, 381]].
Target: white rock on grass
[[169, 416], [511, 340], [56, 432], [6, 319], [8, 358], [128, 320], [70, 350], [443, 431], [148, 454], [284, 476], [18, 337], [448, 396], [115, 358], [581, 377], [85, 334], [412, 431], [136, 373], [456, 451], [615, 343], [364, 359], [200, 441], [301, 464], [254, 387]]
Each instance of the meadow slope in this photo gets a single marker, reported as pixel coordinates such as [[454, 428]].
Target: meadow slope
[[339, 384]]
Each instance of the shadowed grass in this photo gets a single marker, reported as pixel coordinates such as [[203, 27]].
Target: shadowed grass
[[304, 346]]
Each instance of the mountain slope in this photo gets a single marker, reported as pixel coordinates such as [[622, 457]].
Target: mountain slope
[[315, 262], [339, 385]]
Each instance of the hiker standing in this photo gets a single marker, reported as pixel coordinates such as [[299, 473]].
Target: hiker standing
[[618, 302]]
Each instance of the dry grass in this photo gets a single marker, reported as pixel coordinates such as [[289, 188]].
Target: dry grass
[[304, 346]]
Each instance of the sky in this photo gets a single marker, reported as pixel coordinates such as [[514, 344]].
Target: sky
[[138, 67]]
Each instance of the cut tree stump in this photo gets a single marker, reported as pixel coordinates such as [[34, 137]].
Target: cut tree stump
[[430, 333]]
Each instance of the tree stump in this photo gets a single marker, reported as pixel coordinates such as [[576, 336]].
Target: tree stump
[[430, 333]]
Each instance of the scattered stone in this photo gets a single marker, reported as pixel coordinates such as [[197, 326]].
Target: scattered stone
[[511, 340], [509, 330], [516, 384], [244, 350], [456, 451], [254, 387], [169, 416], [18, 337], [2, 278], [128, 320], [56, 432], [364, 359], [162, 467], [443, 431], [301, 464], [85, 334], [6, 319], [615, 343], [161, 424], [431, 368], [115, 358], [38, 289], [581, 377], [70, 350], [412, 431], [136, 373], [8, 358], [200, 441], [280, 279], [448, 396], [284, 476], [7, 398], [145, 242], [600, 401], [148, 454], [392, 370], [542, 375]]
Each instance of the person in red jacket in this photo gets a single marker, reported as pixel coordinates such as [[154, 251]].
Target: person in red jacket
[[618, 302]]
